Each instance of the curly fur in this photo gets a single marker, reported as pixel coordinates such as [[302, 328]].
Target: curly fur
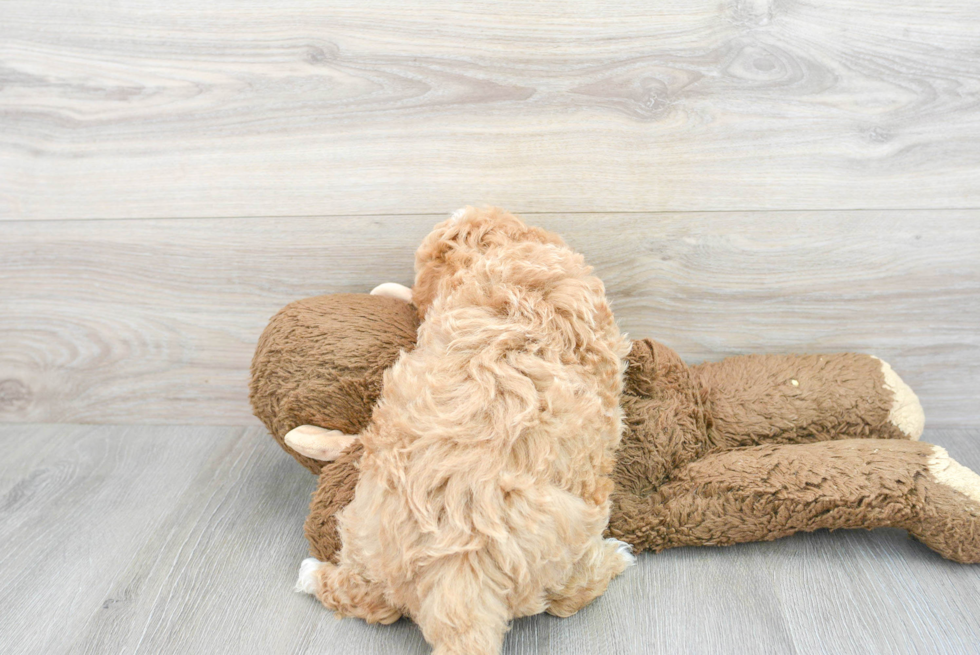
[[484, 484]]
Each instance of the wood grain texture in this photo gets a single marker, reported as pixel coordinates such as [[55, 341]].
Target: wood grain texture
[[187, 540], [156, 321], [246, 108]]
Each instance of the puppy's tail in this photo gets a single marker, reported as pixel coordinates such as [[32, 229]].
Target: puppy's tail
[[460, 613]]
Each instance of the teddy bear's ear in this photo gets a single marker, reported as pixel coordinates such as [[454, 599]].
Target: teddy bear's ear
[[393, 290], [318, 443]]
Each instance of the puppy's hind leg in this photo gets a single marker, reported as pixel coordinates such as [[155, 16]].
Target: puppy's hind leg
[[345, 592], [603, 561], [460, 614]]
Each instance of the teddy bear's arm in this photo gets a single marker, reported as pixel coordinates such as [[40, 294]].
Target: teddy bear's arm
[[758, 399], [765, 492]]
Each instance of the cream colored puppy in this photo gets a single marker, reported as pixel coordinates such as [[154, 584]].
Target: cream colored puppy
[[483, 489]]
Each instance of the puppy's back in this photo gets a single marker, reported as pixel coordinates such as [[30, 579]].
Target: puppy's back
[[484, 475]]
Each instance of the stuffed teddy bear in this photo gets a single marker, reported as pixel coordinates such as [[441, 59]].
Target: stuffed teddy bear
[[751, 448]]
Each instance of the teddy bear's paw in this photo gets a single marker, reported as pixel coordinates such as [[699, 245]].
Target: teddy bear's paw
[[393, 290], [906, 412], [308, 581], [949, 520], [318, 443], [948, 471]]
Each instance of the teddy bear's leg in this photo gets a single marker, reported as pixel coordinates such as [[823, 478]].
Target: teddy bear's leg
[[318, 443], [603, 561], [765, 492], [338, 480], [345, 592], [760, 399]]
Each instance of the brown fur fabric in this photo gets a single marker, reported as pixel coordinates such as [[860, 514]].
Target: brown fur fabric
[[320, 362], [334, 492], [762, 493], [751, 395], [676, 414], [713, 454]]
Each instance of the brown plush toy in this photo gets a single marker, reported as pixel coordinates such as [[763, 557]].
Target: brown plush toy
[[747, 449]]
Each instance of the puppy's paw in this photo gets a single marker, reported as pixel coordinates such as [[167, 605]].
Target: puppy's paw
[[625, 552], [308, 581]]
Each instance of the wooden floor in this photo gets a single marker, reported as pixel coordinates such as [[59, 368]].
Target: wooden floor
[[746, 176], [187, 540]]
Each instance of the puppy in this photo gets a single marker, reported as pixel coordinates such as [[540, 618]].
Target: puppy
[[484, 488]]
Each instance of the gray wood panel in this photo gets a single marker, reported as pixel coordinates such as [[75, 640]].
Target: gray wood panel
[[187, 540], [155, 321], [301, 107]]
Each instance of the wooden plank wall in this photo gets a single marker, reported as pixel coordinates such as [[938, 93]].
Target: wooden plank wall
[[134, 321], [746, 175], [301, 107]]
